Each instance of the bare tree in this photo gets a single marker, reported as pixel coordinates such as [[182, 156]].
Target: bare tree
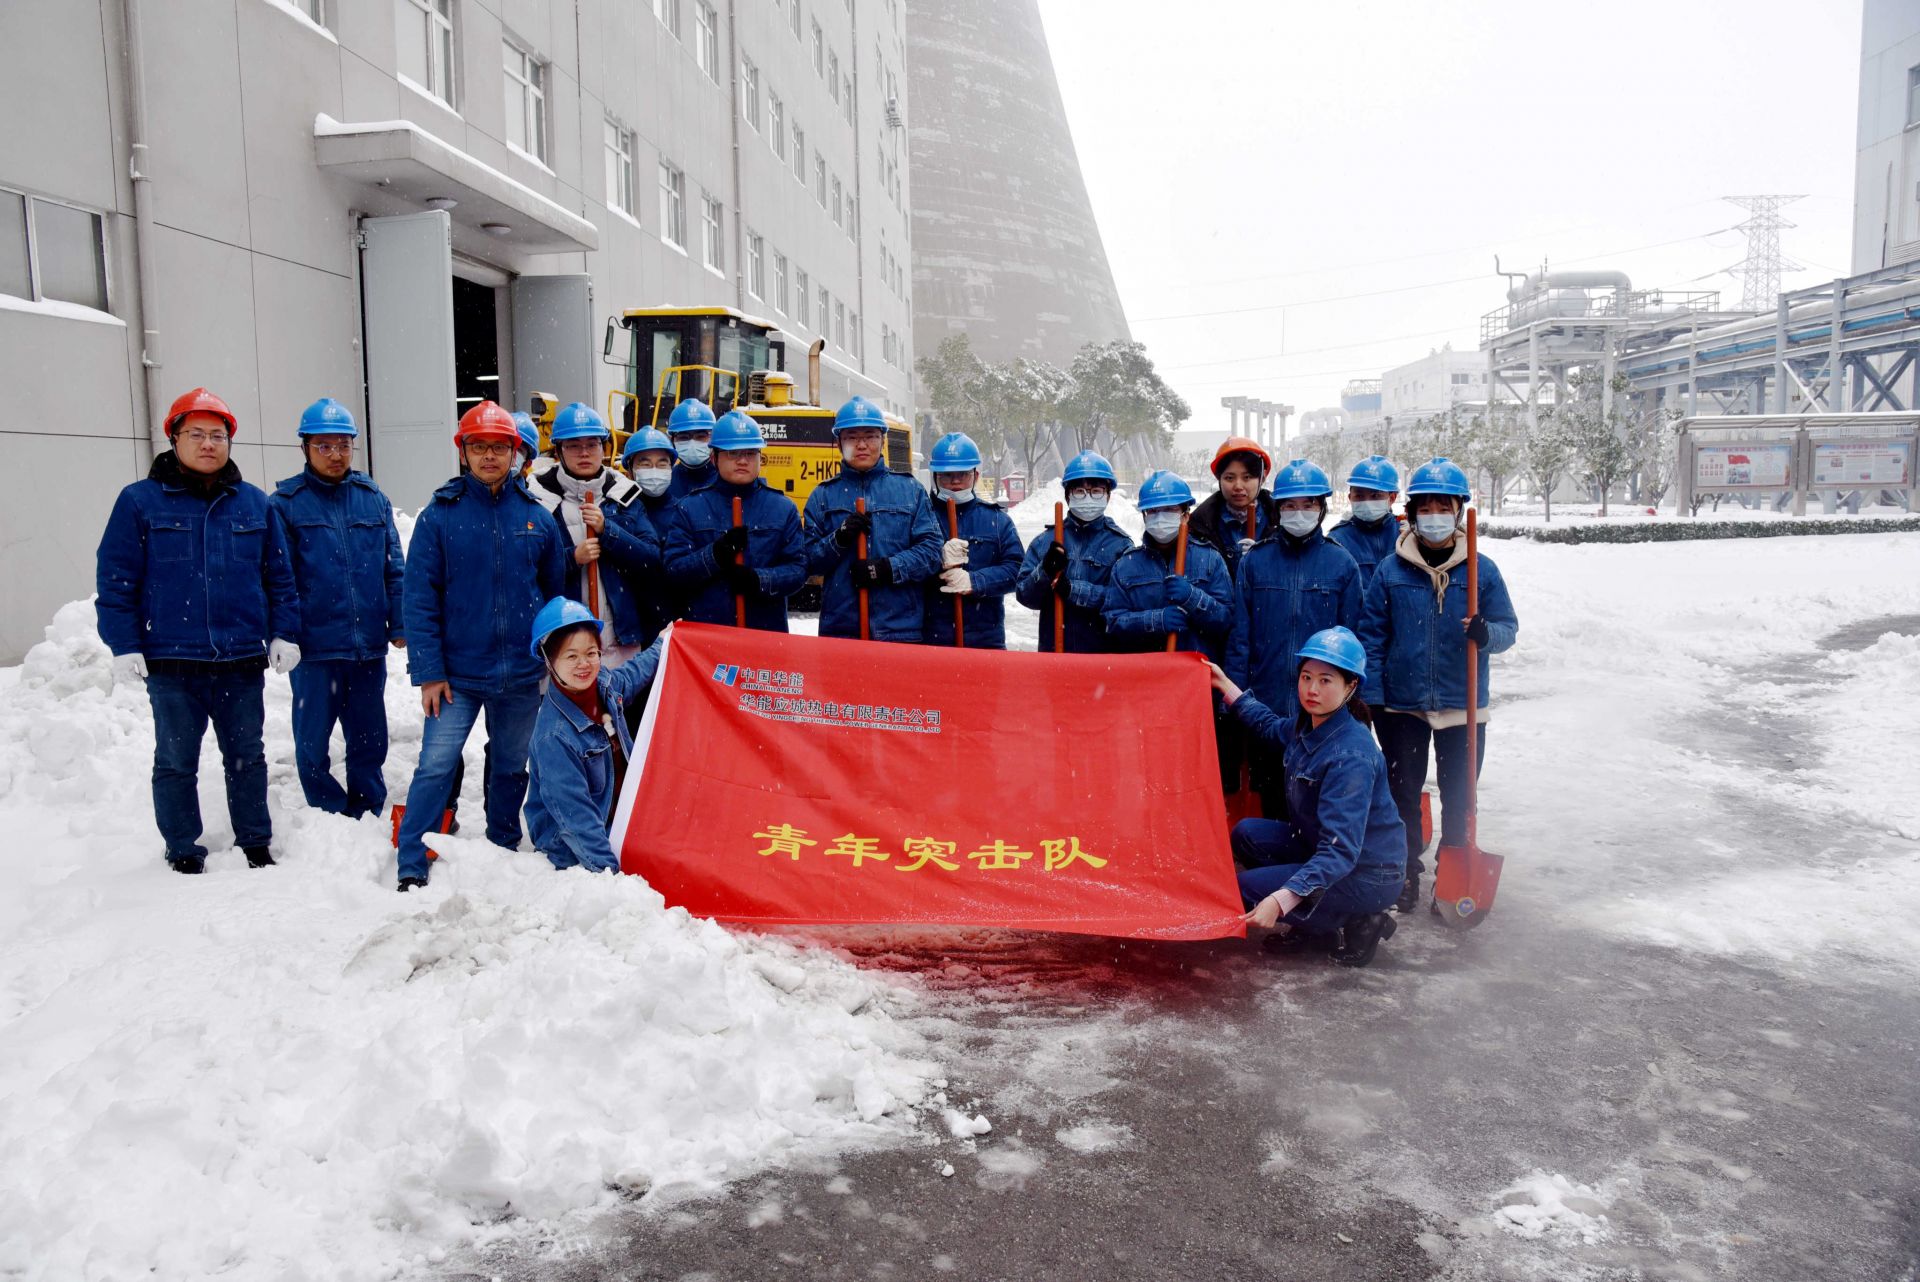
[[1547, 454]]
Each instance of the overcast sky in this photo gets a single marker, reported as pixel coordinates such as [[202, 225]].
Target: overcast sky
[[1283, 155]]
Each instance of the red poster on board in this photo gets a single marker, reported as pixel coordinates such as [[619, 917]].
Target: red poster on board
[[785, 779]]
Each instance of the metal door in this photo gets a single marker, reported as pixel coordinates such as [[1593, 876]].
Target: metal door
[[406, 275], [553, 345]]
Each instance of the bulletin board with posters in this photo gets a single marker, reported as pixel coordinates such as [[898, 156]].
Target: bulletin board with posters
[[1756, 465], [1862, 464]]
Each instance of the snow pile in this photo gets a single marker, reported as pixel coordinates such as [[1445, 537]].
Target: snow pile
[[295, 1073], [1542, 1204], [1875, 701]]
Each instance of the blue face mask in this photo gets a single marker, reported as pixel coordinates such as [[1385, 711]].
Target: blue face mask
[[693, 453]]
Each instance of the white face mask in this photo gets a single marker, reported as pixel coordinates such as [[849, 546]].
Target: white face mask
[[1300, 524], [1435, 527], [653, 481], [1163, 525], [694, 453], [1371, 510], [1087, 507]]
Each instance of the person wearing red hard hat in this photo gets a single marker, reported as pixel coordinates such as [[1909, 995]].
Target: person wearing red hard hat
[[484, 557], [1240, 465], [197, 599]]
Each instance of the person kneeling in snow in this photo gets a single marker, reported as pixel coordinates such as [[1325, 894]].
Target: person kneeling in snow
[[580, 743], [1333, 868]]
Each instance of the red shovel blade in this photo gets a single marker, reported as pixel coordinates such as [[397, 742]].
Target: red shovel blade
[[1464, 881], [400, 812], [1426, 820]]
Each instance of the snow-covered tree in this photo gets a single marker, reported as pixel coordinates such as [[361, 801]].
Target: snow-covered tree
[[1547, 453], [1119, 398]]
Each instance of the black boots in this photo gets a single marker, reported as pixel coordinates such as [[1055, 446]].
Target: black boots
[[1360, 938], [259, 857], [189, 864], [1296, 941], [410, 883], [1409, 894]]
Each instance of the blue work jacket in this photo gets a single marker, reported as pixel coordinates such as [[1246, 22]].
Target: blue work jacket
[[1417, 645], [993, 562], [570, 766], [346, 564], [1137, 597], [684, 480], [903, 533], [478, 569], [1092, 549], [194, 570], [776, 553], [1338, 803], [1287, 590], [1368, 544]]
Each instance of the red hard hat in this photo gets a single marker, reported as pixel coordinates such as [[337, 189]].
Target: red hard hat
[[1241, 445], [487, 422], [200, 401]]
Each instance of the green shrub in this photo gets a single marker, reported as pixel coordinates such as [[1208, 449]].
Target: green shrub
[[1682, 529]]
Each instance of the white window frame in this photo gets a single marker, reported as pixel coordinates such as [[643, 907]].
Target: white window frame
[[853, 327], [819, 51], [820, 179], [799, 154], [750, 92], [36, 290], [1913, 96], [833, 76], [780, 295], [777, 125], [840, 324], [756, 264], [793, 18], [713, 233], [846, 99], [673, 206], [833, 204], [443, 81], [803, 304], [668, 11], [706, 39], [825, 300], [526, 79], [623, 175]]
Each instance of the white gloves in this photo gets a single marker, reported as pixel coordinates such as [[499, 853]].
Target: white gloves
[[283, 655], [953, 552], [956, 580], [128, 668]]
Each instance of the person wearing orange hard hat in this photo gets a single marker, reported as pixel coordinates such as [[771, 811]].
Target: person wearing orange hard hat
[[197, 600], [1240, 466], [484, 557]]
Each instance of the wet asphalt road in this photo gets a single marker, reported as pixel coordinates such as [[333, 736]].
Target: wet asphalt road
[[1206, 1111]]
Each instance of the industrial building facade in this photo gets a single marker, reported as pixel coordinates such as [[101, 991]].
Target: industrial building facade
[[410, 205]]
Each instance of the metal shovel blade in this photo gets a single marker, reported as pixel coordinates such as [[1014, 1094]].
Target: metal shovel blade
[[1464, 881]]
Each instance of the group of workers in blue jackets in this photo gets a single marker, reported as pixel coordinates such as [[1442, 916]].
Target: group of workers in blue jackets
[[535, 590]]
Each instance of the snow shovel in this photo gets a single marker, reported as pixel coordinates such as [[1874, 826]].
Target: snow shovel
[[860, 505], [399, 811], [739, 558], [1059, 602], [1179, 567], [1466, 876], [959, 610]]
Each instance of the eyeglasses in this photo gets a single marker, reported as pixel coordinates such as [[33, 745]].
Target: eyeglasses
[[332, 447], [200, 438], [490, 449]]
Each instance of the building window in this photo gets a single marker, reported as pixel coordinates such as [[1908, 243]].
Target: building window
[[51, 251], [673, 206], [756, 265], [1913, 95], [1462, 380], [793, 17], [712, 223], [846, 99], [314, 9], [820, 179], [526, 102], [620, 173], [779, 281], [776, 124], [833, 203], [706, 39], [750, 92], [819, 51], [840, 324], [853, 222], [423, 32], [826, 308], [833, 76], [799, 154], [668, 11], [803, 301], [853, 322]]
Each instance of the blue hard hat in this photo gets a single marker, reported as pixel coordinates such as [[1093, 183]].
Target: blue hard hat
[[1439, 476], [954, 452], [1088, 466], [577, 422], [1301, 480], [327, 417], [690, 415], [1163, 489], [857, 413], [737, 431], [1374, 473], [554, 615], [1338, 647], [529, 433], [645, 439]]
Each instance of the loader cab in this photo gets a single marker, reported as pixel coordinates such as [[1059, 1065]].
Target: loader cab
[[671, 354]]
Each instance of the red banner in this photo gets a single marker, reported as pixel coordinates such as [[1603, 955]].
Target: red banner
[[803, 780]]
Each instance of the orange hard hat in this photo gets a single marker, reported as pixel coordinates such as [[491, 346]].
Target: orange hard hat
[[487, 422], [1241, 445], [200, 401]]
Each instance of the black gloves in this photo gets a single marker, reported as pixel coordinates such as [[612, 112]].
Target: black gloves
[[743, 580], [1054, 561], [730, 544], [856, 524], [1477, 629], [873, 573]]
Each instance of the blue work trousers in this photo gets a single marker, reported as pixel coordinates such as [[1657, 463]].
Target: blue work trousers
[[232, 698], [1368, 889], [352, 693], [510, 718]]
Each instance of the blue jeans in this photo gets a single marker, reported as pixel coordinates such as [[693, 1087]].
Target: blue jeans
[[1404, 738], [1368, 889], [353, 693], [510, 718], [183, 703]]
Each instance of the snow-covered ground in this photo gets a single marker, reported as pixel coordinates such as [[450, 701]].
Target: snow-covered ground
[[295, 1073]]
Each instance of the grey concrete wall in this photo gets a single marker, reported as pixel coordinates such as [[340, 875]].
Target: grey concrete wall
[[254, 252]]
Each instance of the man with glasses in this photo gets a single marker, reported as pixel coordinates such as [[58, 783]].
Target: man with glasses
[[484, 558], [347, 564], [196, 599]]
